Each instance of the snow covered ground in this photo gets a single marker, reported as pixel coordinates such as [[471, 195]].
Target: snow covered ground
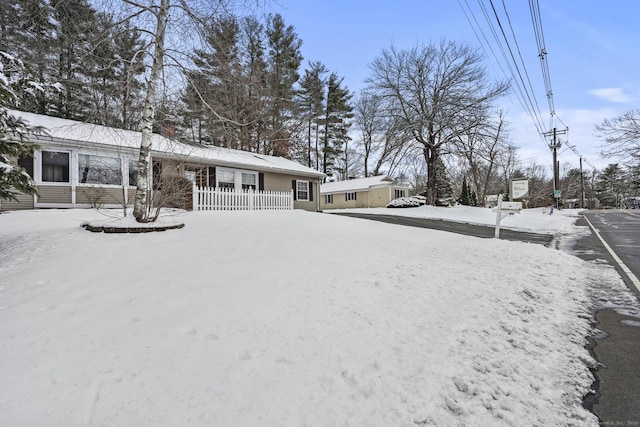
[[290, 318], [536, 220]]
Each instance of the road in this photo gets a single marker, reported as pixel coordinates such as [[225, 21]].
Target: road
[[456, 227], [616, 238], [620, 231]]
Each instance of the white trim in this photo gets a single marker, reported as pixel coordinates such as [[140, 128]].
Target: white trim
[[76, 205], [237, 176], [298, 198]]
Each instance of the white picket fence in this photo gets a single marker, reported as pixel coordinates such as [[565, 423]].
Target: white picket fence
[[229, 199]]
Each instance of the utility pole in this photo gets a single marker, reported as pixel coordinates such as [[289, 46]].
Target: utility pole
[[581, 185], [555, 144]]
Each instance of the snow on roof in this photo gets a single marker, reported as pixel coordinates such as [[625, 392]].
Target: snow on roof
[[164, 147], [360, 184]]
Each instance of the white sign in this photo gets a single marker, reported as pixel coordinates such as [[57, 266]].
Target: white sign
[[508, 206], [519, 188]]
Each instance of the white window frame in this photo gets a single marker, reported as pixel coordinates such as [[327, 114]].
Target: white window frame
[[256, 183], [39, 166], [100, 184], [350, 196], [328, 199], [298, 190], [127, 173], [237, 177], [399, 192]]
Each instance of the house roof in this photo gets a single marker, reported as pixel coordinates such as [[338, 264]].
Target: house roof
[[161, 146], [360, 184]]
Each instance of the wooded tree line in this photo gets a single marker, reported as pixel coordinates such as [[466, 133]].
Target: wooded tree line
[[427, 114], [238, 78]]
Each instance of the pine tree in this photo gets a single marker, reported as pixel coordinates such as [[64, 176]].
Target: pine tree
[[75, 29], [283, 61], [312, 88], [443, 187], [26, 33], [473, 200], [464, 199], [336, 122], [14, 145]]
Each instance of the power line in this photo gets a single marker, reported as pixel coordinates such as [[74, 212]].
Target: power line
[[523, 92]]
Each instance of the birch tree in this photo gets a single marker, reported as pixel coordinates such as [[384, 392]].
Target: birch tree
[[142, 209]]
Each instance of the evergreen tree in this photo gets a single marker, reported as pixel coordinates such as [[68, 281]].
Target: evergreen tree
[[473, 200], [283, 61], [443, 187], [76, 30], [14, 179], [336, 122], [129, 71], [464, 198], [26, 33], [312, 97], [255, 72]]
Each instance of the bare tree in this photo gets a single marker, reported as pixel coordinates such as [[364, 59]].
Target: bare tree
[[621, 135], [480, 149], [436, 91], [383, 141]]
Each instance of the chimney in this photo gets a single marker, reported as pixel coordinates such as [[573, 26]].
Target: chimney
[[168, 128]]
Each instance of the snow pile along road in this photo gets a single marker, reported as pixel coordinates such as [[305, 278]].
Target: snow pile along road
[[287, 318]]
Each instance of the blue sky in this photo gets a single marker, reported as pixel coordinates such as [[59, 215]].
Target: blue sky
[[592, 52]]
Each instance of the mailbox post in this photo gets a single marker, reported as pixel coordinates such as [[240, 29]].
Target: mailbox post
[[502, 210]]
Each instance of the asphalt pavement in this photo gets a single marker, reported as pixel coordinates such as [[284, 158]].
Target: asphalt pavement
[[616, 238], [475, 230]]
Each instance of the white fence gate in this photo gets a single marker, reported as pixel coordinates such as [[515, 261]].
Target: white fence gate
[[229, 199]]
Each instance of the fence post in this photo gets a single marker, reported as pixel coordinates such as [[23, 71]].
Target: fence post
[[195, 197]]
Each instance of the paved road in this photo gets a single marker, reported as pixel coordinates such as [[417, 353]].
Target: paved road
[[621, 232], [456, 227], [617, 402]]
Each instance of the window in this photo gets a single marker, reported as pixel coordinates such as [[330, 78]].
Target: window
[[249, 180], [302, 189], [55, 166], [399, 193], [27, 164], [156, 169], [133, 173], [350, 196], [328, 199], [225, 178], [99, 170]]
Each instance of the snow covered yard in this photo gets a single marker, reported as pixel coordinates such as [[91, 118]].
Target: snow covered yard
[[287, 318]]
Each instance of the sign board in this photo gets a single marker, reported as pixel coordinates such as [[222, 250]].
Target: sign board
[[556, 194], [508, 206], [519, 188]]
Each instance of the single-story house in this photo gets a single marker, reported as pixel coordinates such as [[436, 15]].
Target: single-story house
[[371, 192], [85, 165]]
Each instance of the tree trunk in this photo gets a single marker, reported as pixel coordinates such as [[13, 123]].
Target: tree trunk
[[430, 156], [143, 202]]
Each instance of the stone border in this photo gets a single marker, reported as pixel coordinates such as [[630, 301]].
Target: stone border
[[120, 230]]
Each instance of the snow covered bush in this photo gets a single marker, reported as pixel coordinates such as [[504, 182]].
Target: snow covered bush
[[407, 202]]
